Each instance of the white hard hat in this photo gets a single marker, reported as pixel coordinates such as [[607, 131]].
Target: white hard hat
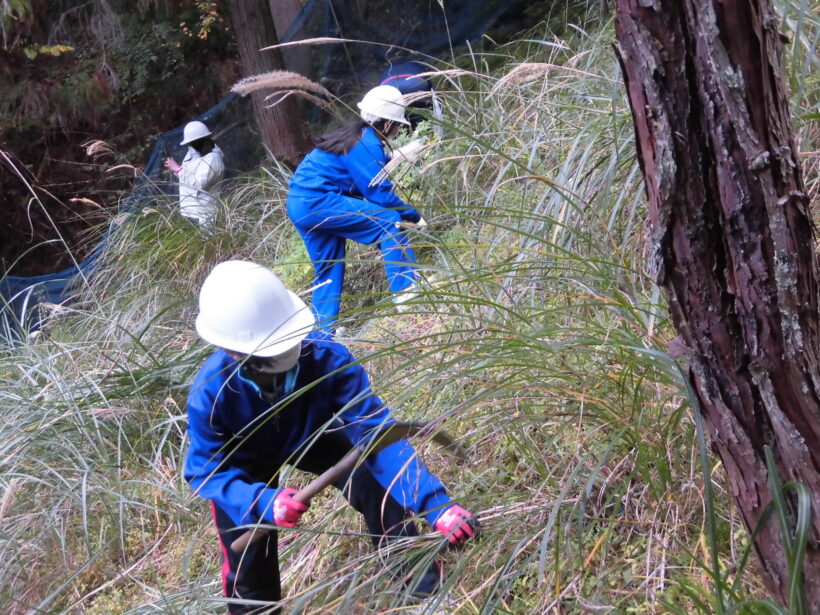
[[193, 131], [385, 102], [244, 307]]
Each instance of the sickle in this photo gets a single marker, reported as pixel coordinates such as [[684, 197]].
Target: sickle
[[381, 439]]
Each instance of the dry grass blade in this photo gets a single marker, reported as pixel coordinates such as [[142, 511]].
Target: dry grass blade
[[448, 159], [98, 149], [128, 167], [527, 72], [410, 99], [85, 201], [279, 80], [406, 154], [319, 40], [9, 497], [522, 74], [331, 40], [449, 72], [278, 97]]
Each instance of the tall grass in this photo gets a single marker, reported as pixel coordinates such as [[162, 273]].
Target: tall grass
[[539, 339]]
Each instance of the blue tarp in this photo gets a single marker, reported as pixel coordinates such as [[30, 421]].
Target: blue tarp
[[388, 32]]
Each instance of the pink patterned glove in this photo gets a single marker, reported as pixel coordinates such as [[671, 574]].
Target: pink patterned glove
[[286, 510], [457, 525]]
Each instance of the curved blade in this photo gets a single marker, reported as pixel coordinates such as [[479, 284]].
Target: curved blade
[[402, 430]]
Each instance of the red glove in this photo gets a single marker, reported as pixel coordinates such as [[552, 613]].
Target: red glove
[[286, 510], [457, 525]]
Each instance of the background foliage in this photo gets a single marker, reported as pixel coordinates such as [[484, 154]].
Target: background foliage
[[74, 72]]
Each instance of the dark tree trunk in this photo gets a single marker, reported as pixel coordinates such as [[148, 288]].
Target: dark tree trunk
[[284, 130], [733, 234]]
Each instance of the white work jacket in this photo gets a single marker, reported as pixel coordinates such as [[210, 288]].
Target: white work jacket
[[199, 178]]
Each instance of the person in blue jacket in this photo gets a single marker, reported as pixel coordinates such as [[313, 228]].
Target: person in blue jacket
[[404, 76], [335, 195], [279, 392]]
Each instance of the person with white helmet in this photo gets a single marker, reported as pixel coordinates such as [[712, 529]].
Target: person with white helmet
[[279, 391], [200, 174], [335, 195]]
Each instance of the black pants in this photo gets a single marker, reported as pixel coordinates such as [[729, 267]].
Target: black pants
[[253, 574]]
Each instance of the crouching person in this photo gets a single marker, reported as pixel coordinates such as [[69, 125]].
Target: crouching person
[[247, 417]]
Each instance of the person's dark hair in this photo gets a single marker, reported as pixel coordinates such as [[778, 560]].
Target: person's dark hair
[[203, 146], [342, 139]]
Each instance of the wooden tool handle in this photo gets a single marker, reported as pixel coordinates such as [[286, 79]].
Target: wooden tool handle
[[388, 435], [314, 487], [247, 538], [328, 477]]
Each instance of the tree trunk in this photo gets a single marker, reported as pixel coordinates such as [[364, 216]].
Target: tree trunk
[[296, 58], [733, 236], [284, 130]]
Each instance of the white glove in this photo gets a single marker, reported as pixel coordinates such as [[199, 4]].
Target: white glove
[[421, 224], [409, 151]]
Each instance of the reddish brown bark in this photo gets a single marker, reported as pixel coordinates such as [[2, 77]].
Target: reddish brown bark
[[283, 127], [734, 241]]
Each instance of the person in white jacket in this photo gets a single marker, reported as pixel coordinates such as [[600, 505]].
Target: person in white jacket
[[199, 174]]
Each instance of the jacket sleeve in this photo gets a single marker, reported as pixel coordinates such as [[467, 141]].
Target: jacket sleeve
[[209, 471], [202, 173], [397, 467], [364, 162]]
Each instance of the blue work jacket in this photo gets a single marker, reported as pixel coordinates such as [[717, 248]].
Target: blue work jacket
[[239, 440], [351, 174]]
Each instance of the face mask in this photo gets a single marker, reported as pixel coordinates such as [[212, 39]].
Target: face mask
[[288, 384], [274, 365], [261, 372]]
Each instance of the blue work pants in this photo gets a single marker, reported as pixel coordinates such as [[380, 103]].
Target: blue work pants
[[325, 221]]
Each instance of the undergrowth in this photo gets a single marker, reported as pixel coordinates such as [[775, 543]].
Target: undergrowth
[[539, 340]]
